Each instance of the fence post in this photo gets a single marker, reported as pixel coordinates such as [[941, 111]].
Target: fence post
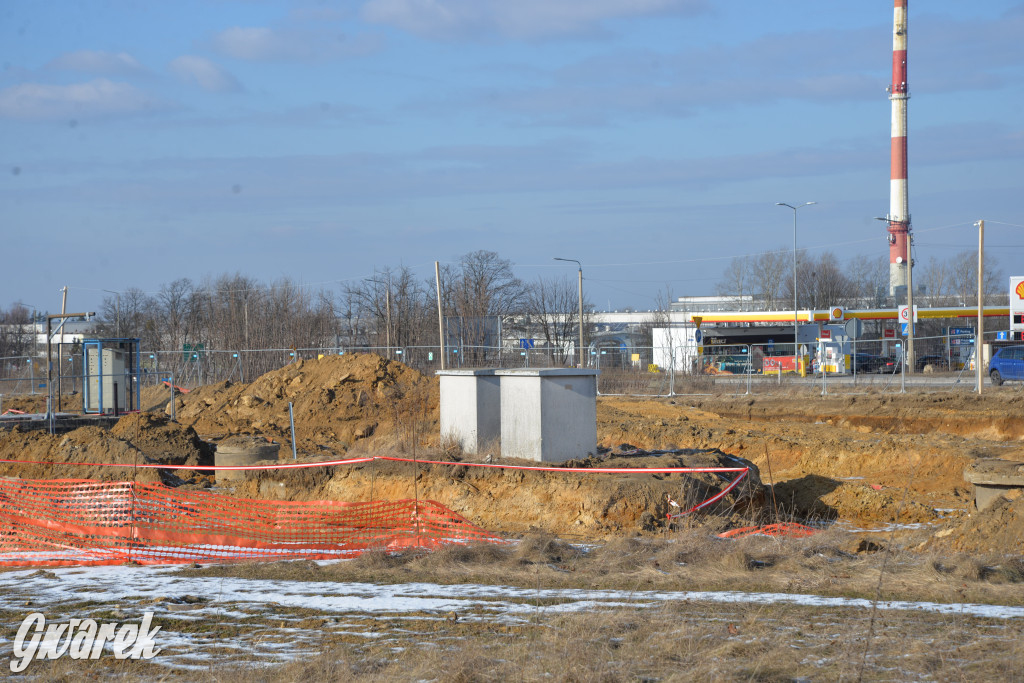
[[672, 371], [750, 368]]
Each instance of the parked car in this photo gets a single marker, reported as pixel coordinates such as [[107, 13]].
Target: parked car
[[1007, 364], [888, 365], [940, 362], [866, 362]]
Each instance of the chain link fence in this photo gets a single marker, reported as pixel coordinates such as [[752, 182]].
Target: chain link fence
[[941, 362]]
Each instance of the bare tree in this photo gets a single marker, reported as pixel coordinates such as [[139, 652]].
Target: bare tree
[[737, 278], [869, 277], [479, 293], [767, 273], [16, 333], [394, 298], [821, 282], [964, 268], [554, 311]]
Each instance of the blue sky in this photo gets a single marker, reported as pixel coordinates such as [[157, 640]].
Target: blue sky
[[141, 142]]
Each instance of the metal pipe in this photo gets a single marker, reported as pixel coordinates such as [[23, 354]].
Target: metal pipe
[[291, 419]]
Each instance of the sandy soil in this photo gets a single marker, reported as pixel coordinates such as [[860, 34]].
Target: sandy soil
[[866, 461]]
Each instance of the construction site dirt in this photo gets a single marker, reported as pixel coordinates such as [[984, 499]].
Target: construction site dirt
[[868, 461], [869, 471]]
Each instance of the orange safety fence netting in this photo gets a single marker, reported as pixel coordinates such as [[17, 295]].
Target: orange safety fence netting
[[85, 522]]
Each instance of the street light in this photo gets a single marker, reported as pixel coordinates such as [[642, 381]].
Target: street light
[[580, 293], [796, 323], [117, 324]]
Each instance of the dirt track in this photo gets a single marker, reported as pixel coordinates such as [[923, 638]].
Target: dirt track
[[868, 460]]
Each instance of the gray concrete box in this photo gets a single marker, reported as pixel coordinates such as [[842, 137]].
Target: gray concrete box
[[548, 414], [470, 408]]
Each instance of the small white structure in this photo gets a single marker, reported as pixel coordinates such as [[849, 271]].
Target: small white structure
[[470, 408], [548, 414], [676, 347]]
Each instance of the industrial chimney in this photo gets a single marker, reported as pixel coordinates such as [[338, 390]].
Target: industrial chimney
[[899, 205]]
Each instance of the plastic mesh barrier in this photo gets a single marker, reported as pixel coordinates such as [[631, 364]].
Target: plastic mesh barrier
[[85, 522]]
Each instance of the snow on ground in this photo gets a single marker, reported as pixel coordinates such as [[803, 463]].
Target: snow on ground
[[114, 583], [267, 620]]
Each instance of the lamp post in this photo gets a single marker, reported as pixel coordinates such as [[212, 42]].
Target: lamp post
[[796, 323], [117, 323], [580, 295]]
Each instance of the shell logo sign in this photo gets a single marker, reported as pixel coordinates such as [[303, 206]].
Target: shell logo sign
[[1020, 290], [837, 313]]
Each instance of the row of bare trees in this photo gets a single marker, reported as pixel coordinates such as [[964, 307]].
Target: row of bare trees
[[482, 299], [823, 281]]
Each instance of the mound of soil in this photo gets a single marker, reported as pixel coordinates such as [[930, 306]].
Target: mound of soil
[[998, 528], [814, 497], [136, 439], [163, 441], [517, 501], [338, 402]]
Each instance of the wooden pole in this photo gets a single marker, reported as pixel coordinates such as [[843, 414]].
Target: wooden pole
[[440, 310]]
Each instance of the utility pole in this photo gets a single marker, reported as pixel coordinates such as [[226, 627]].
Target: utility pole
[[440, 313], [580, 294], [49, 348], [387, 320], [387, 314], [979, 339], [911, 363], [60, 350]]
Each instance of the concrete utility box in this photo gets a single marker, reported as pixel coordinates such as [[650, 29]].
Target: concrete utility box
[[548, 414], [470, 408], [992, 478]]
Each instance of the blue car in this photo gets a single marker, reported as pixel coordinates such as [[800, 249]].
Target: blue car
[[1007, 364]]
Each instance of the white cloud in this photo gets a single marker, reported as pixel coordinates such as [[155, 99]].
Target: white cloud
[[520, 19], [260, 43], [204, 73], [251, 43], [91, 61], [95, 99]]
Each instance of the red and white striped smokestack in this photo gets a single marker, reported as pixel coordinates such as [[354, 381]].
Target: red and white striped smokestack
[[899, 204]]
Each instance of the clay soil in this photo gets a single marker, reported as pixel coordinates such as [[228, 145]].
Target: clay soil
[[873, 462]]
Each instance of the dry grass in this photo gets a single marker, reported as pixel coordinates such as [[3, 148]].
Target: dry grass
[[832, 563], [672, 640]]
